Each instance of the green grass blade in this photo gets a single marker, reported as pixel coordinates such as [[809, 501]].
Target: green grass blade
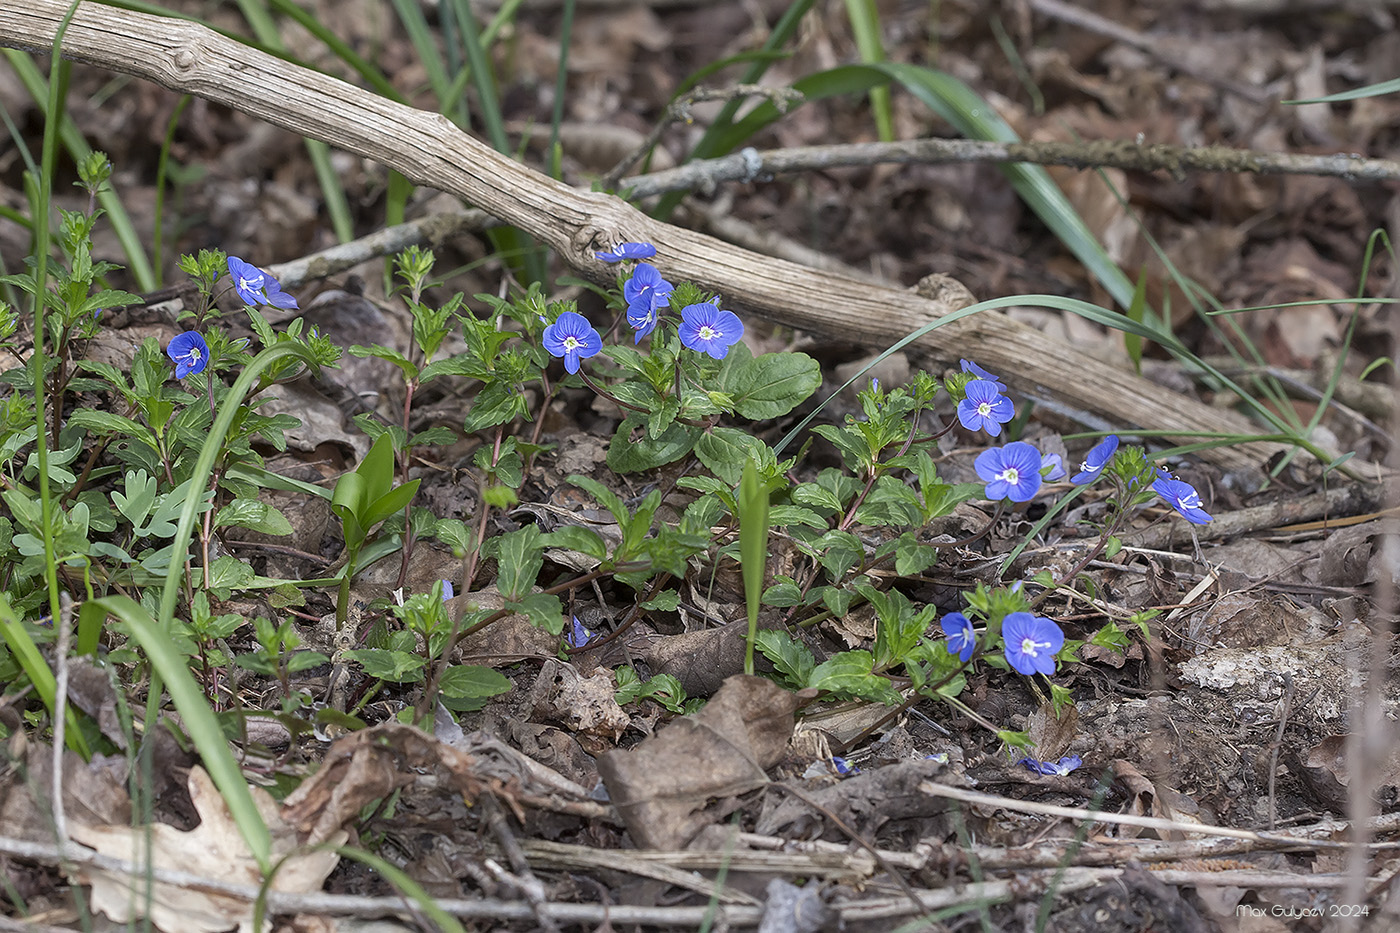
[[365, 69], [753, 548], [507, 13], [32, 662], [865, 24], [1370, 90], [229, 409], [138, 263], [337, 205], [479, 65], [709, 145], [162, 167], [430, 56], [197, 719], [561, 88]]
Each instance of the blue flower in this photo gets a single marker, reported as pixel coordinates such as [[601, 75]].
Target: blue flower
[[1096, 460], [970, 367], [256, 287], [1183, 497], [843, 767], [1051, 468], [646, 293], [627, 251], [707, 329], [962, 640], [447, 591], [577, 634], [1031, 643], [1062, 767], [573, 338], [190, 353], [985, 409], [275, 296], [1011, 472]]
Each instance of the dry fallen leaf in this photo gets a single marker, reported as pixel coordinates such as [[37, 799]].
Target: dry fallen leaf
[[214, 849]]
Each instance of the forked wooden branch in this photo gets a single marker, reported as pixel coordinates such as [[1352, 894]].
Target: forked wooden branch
[[430, 150]]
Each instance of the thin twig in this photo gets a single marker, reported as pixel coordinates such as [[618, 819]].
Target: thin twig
[[1104, 153], [525, 880], [60, 714]]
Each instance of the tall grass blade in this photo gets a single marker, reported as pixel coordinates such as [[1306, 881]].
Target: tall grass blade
[[337, 205], [865, 25], [138, 263], [196, 718], [32, 662], [753, 548]]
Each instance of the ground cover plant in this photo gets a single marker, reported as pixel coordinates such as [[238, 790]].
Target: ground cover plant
[[574, 568]]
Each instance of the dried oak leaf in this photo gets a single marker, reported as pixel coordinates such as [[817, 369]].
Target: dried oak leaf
[[661, 787], [369, 765], [214, 849]]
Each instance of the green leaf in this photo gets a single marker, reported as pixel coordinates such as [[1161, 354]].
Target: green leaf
[[140, 496], [228, 573], [472, 680], [838, 552], [912, 556], [577, 538], [409, 370], [791, 657], [628, 454], [665, 601], [724, 451], [817, 497], [253, 514], [391, 503], [753, 547], [399, 667], [1137, 309], [496, 403], [436, 436], [519, 556], [769, 386], [848, 674], [783, 594], [542, 609]]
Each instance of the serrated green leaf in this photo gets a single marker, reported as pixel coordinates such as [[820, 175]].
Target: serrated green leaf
[[628, 454], [791, 657], [848, 674], [253, 514], [665, 601], [724, 451], [519, 556], [543, 610], [771, 385]]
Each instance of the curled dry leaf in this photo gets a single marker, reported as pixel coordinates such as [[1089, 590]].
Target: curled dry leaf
[[214, 849], [662, 786]]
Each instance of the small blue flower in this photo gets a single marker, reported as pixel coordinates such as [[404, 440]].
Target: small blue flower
[[190, 353], [256, 287], [1062, 767], [1183, 497], [447, 591], [707, 329], [985, 409], [573, 338], [1051, 468], [1096, 460], [970, 367], [577, 634], [646, 292], [1031, 643], [1011, 472], [962, 640], [275, 296], [627, 251], [843, 767], [248, 280]]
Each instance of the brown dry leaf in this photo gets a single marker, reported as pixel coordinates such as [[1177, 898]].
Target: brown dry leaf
[[588, 705], [661, 787], [213, 849], [368, 765]]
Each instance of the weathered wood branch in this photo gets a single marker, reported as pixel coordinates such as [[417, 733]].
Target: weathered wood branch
[[431, 151]]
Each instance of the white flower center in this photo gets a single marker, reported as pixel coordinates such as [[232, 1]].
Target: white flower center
[[1031, 647], [1011, 475], [1088, 468], [985, 409], [194, 354], [571, 343], [708, 333]]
